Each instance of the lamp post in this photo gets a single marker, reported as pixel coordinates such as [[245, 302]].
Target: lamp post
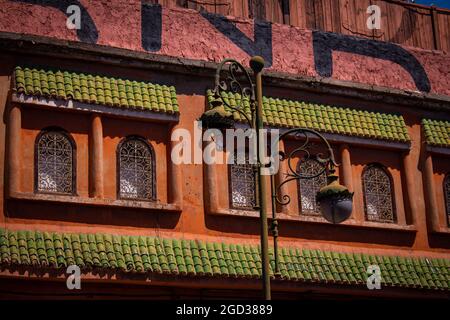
[[334, 199]]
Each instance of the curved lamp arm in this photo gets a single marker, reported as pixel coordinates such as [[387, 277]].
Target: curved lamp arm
[[326, 160], [231, 84]]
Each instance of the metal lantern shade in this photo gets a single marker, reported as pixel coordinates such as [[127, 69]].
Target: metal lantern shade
[[335, 201], [217, 117]]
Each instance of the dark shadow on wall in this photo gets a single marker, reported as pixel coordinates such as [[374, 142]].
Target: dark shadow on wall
[[151, 16], [407, 26], [312, 231], [439, 241], [151, 26], [324, 43], [116, 216], [262, 44], [88, 32]]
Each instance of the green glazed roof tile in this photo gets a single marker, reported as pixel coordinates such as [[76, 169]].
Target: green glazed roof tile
[[198, 258], [153, 256], [323, 118], [437, 132], [95, 89], [179, 259], [162, 257]]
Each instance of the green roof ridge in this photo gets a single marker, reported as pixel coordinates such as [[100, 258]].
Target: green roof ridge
[[437, 132], [324, 118], [96, 89]]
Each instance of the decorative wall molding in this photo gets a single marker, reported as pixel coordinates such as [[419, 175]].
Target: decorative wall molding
[[71, 105], [61, 199]]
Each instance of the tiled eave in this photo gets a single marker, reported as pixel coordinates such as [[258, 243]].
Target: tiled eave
[[358, 141], [71, 105], [326, 119], [146, 256], [437, 135], [343, 139]]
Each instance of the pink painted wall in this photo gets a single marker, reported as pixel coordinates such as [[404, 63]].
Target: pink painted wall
[[185, 33]]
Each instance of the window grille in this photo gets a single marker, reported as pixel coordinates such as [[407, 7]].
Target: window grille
[[308, 188], [242, 185], [378, 199], [54, 163], [136, 170]]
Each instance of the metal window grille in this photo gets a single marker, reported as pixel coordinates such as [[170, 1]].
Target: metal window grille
[[55, 173], [378, 200], [136, 170], [243, 185], [308, 188]]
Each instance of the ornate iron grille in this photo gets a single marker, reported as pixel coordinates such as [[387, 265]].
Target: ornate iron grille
[[136, 170], [243, 185], [308, 188], [54, 163], [447, 196], [378, 201]]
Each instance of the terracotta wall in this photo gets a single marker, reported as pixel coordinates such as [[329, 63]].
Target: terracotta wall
[[189, 34], [114, 130], [441, 165], [391, 160], [194, 221], [401, 22], [35, 120]]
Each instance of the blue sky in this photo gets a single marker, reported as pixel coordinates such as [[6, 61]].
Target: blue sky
[[437, 3]]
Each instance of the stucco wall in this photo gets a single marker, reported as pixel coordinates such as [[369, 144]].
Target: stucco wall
[[189, 34], [194, 221], [114, 130]]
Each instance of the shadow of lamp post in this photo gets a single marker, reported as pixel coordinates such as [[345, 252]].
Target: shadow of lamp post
[[335, 200]]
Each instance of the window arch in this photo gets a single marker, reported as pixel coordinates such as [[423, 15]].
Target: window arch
[[55, 162], [308, 188], [242, 185], [447, 196], [136, 169], [378, 194]]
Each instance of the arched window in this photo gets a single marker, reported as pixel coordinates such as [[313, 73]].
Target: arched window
[[242, 185], [54, 162], [136, 170], [447, 196], [308, 188], [378, 194]]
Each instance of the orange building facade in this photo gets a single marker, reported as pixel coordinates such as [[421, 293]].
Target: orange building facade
[[88, 132]]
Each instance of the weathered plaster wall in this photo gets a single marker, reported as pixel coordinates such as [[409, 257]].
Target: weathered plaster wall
[[33, 121], [189, 34], [194, 221], [391, 160], [114, 130], [295, 57]]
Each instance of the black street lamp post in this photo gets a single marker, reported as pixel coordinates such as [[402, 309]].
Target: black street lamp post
[[334, 199]]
